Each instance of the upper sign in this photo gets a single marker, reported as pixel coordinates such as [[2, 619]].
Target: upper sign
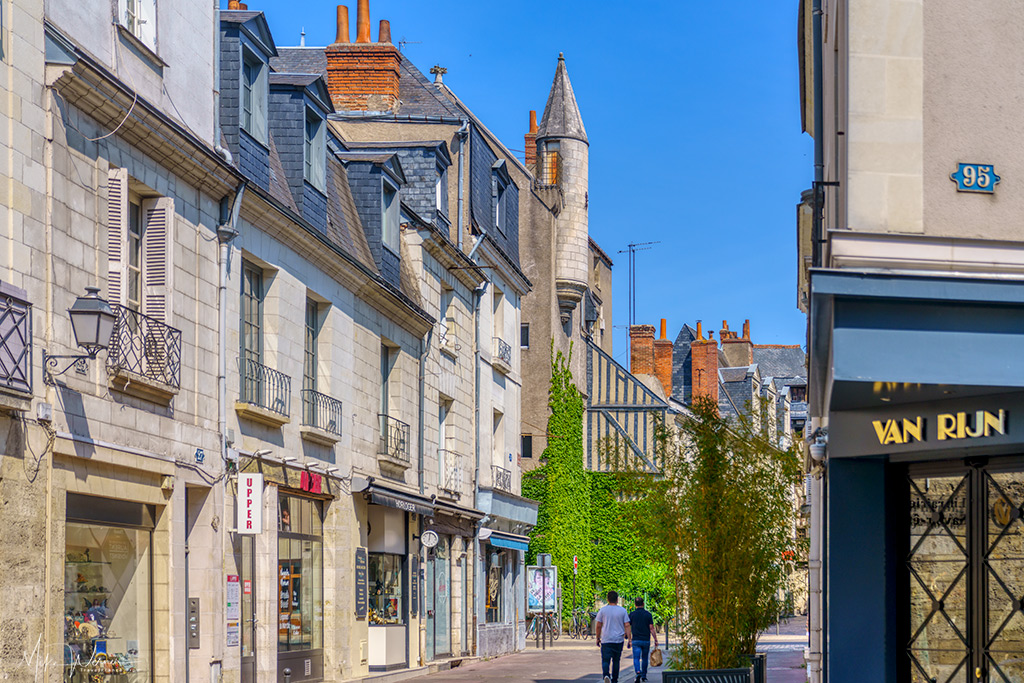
[[975, 178], [250, 503]]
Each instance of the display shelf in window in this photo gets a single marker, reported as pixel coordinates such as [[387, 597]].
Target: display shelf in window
[[386, 579]]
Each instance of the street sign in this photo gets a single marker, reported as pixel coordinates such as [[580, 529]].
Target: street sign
[[575, 564]]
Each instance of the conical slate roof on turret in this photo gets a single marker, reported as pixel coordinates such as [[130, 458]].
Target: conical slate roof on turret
[[561, 114]]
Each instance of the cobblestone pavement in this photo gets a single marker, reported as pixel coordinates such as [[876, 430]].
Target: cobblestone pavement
[[571, 661]]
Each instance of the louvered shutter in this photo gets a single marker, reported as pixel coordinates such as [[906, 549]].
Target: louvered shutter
[[157, 251], [117, 236]]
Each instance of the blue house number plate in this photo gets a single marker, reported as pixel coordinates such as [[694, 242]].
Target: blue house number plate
[[975, 178]]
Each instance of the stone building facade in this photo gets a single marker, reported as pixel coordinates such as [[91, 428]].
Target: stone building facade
[[909, 250]]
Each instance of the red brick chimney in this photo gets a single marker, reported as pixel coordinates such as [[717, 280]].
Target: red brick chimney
[[641, 349], [704, 366], [531, 140], [663, 360], [739, 351], [362, 75]]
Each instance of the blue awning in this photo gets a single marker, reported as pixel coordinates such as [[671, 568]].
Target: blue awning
[[504, 542]]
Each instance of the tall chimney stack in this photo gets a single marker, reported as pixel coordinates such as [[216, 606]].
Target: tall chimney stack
[[663, 359], [531, 140], [641, 349], [704, 366], [739, 351], [343, 35], [362, 76]]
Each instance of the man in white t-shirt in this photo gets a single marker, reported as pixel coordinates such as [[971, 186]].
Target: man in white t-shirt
[[612, 629]]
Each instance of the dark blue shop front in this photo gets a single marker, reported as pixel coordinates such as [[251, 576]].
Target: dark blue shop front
[[921, 379]]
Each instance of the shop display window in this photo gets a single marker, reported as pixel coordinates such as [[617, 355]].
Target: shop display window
[[495, 606], [107, 604], [300, 575], [386, 574]]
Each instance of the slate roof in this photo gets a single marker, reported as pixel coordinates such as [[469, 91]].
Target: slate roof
[[733, 374], [301, 80], [238, 16], [300, 60], [343, 224], [561, 113], [416, 93], [279, 189], [779, 360]]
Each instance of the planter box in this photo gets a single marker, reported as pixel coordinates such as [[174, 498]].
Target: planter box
[[759, 667], [711, 676]]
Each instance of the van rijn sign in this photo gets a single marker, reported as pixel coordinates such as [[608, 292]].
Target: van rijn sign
[[949, 426], [250, 503]]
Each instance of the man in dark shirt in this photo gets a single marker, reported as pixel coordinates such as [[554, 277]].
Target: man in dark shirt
[[641, 625]]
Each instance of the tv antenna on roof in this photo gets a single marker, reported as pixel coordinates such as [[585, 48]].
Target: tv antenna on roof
[[402, 42], [631, 294]]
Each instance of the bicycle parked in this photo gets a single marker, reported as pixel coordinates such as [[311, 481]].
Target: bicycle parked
[[548, 627], [579, 626]]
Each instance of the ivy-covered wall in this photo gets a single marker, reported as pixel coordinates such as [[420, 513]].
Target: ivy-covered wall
[[581, 513]]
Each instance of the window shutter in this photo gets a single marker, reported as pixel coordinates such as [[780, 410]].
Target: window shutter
[[117, 236], [259, 105], [157, 250], [147, 22]]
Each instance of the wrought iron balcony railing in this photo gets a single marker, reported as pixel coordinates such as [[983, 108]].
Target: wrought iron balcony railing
[[451, 471], [394, 438], [15, 340], [503, 351], [145, 346], [265, 387], [321, 411], [502, 478]]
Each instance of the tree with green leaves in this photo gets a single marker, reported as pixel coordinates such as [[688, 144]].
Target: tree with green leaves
[[721, 512]]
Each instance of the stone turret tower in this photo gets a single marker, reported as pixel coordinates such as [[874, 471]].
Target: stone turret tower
[[562, 161]]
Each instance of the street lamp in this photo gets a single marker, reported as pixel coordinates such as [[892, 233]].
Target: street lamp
[[92, 321]]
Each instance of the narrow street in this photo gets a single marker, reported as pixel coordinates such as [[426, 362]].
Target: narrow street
[[573, 661]]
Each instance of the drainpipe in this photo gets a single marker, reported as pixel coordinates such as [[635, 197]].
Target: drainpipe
[[224, 153], [225, 234], [461, 135], [819, 148], [478, 298], [424, 349]]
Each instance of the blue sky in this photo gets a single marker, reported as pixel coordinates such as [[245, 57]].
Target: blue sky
[[692, 113]]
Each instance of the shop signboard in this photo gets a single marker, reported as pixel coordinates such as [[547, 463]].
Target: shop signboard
[[233, 613], [975, 424], [361, 583], [250, 503], [541, 581]]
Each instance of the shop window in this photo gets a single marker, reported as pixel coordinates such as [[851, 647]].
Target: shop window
[[300, 574], [107, 589], [387, 578], [495, 606]]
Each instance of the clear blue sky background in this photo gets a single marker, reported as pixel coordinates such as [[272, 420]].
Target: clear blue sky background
[[692, 113]]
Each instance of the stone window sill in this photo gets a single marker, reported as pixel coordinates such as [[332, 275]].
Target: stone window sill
[[319, 436], [144, 50], [140, 386], [261, 415]]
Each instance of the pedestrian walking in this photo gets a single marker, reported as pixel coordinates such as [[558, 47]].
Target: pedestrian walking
[[612, 629], [641, 624]]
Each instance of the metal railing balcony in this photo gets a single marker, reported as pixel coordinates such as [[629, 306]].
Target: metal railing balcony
[[451, 471], [15, 340], [265, 387], [503, 351], [394, 438], [145, 346], [321, 411], [502, 478]]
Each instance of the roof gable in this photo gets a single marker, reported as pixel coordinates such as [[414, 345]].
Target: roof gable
[[254, 25]]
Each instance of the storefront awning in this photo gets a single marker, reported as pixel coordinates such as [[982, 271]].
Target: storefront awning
[[394, 498], [509, 541]]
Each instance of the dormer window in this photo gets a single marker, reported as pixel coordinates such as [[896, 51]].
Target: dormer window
[[314, 150], [389, 215], [500, 195], [441, 191], [254, 96]]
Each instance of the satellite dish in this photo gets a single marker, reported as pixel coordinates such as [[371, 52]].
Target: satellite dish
[[429, 539]]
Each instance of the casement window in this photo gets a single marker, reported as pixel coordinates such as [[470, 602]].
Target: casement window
[[550, 163], [500, 197], [526, 445], [254, 96], [441, 191], [524, 336], [140, 245], [139, 17], [389, 216], [314, 151], [310, 353]]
